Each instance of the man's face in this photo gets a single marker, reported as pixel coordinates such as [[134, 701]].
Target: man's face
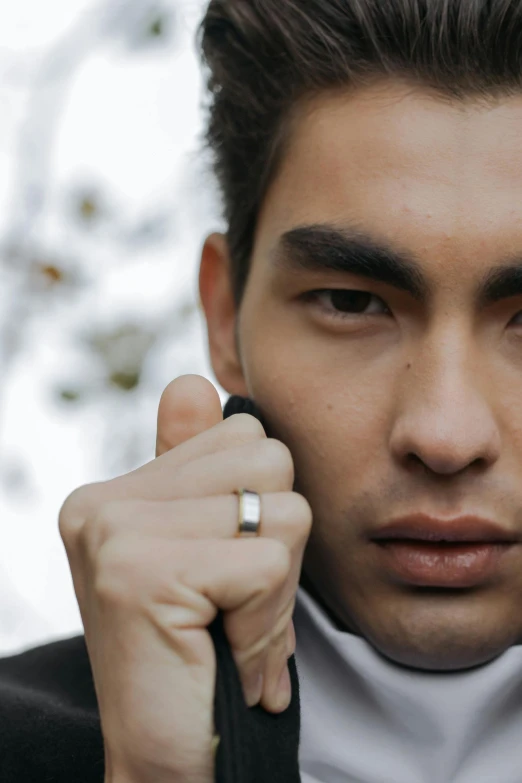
[[393, 401]]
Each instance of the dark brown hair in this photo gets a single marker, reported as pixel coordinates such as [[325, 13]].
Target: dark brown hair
[[263, 56]]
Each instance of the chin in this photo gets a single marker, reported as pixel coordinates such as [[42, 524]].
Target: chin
[[440, 638]]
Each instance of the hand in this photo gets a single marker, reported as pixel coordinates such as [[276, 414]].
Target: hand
[[153, 557]]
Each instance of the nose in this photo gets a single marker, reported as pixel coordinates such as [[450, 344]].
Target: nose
[[444, 419]]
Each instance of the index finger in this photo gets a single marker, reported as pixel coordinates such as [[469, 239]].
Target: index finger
[[238, 430]]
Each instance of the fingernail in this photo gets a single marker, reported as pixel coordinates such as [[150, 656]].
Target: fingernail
[[254, 694], [284, 691]]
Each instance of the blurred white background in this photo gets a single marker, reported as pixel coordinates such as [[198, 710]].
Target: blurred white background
[[105, 199]]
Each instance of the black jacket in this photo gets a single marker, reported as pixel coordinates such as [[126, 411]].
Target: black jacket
[[50, 726]]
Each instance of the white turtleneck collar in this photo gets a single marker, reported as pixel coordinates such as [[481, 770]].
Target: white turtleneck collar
[[366, 720]]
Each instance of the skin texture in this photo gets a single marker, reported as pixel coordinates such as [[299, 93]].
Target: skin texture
[[414, 407]]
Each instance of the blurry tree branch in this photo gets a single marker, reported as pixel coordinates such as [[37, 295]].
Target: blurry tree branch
[[41, 276]]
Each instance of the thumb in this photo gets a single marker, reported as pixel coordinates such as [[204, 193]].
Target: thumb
[[189, 405]]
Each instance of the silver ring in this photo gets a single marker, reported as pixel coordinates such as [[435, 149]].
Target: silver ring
[[249, 518]]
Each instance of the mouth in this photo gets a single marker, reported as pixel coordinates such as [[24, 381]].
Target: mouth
[[425, 551], [421, 527]]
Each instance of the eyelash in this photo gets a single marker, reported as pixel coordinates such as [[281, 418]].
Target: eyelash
[[315, 296]]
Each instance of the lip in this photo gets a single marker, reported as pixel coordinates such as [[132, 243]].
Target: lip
[[422, 527], [432, 564]]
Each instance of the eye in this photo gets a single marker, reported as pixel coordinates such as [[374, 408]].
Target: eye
[[517, 317], [340, 303]]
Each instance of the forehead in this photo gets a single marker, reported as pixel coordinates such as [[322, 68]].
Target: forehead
[[441, 178]]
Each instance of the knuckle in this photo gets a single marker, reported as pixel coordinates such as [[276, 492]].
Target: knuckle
[[292, 514], [276, 563], [102, 525], [302, 513], [249, 653], [242, 429], [279, 459], [247, 425], [75, 510], [279, 640], [107, 521], [115, 571]]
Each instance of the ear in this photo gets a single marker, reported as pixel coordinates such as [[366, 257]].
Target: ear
[[217, 298]]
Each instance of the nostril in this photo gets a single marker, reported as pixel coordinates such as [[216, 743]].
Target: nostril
[[414, 460], [440, 467]]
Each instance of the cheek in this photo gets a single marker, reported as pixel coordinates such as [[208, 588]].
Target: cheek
[[334, 424]]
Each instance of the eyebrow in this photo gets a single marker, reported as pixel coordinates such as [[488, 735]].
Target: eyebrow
[[350, 250], [502, 282]]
